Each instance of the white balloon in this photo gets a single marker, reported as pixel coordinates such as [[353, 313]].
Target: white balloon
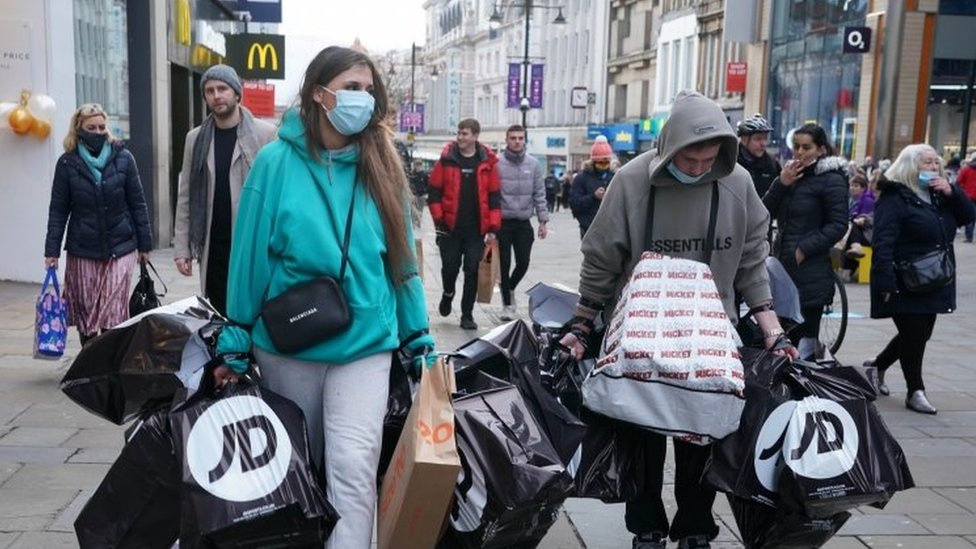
[[41, 106], [6, 108]]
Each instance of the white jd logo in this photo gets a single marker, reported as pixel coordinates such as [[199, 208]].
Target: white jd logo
[[238, 450], [787, 439]]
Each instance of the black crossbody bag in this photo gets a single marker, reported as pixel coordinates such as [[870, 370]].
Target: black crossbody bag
[[927, 272], [311, 312]]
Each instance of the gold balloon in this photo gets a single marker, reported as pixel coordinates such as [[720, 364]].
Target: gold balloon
[[20, 120], [40, 129]]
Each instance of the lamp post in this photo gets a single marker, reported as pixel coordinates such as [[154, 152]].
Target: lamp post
[[527, 5]]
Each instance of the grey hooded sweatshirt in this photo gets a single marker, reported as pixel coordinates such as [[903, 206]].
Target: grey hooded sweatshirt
[[615, 240]]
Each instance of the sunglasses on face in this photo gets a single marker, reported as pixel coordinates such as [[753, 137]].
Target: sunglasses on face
[[91, 109]]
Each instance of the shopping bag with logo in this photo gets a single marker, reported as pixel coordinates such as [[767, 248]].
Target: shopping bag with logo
[[669, 360], [489, 272], [419, 483], [403, 386], [144, 297], [513, 481], [247, 475], [810, 441], [137, 504], [51, 319]]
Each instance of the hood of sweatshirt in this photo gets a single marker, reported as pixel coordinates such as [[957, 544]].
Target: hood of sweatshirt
[[694, 118]]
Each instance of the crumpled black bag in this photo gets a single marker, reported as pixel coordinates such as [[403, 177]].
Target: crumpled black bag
[[513, 481], [403, 386], [144, 297], [510, 353], [810, 441], [610, 465], [762, 527], [247, 478], [137, 504]]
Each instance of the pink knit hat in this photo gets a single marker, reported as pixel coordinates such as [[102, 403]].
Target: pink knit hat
[[601, 149]]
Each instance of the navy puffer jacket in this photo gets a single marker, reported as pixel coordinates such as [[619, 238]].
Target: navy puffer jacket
[[103, 221], [906, 227], [584, 205], [811, 215]]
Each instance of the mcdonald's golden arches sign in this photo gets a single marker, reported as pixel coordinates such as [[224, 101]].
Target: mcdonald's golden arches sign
[[257, 56]]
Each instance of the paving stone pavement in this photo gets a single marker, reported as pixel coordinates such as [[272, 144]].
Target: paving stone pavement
[[53, 454]]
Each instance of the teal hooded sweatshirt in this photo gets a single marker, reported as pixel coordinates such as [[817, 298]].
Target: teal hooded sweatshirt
[[290, 226]]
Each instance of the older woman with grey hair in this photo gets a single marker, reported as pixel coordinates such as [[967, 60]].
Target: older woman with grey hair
[[917, 212]]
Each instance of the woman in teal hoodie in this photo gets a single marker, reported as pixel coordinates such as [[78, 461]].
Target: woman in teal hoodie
[[290, 228]]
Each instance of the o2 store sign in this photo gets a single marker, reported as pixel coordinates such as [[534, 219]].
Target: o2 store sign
[[238, 449]]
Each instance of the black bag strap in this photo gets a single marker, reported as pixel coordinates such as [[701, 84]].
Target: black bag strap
[[144, 272], [712, 220], [348, 233]]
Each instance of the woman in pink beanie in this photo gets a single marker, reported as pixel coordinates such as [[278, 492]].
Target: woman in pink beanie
[[591, 183]]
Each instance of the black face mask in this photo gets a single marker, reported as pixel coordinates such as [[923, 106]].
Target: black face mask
[[94, 141]]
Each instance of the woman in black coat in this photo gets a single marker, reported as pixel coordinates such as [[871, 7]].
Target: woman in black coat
[[809, 203], [98, 197], [918, 212]]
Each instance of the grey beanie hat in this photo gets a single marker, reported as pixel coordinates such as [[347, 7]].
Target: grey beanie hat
[[225, 74]]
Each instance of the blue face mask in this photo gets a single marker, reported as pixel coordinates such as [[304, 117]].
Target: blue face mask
[[925, 177], [682, 177], [352, 112]]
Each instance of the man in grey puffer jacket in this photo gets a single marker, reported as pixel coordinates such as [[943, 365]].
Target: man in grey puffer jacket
[[523, 191]]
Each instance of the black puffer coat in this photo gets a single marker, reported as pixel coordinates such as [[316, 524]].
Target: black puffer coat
[[763, 170], [811, 215], [103, 221], [581, 199], [906, 227]]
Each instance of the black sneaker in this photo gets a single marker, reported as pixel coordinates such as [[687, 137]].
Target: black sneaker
[[654, 540], [694, 542], [445, 307], [467, 323]]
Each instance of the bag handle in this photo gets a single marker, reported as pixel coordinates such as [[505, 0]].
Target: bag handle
[[712, 218], [51, 278], [143, 271]]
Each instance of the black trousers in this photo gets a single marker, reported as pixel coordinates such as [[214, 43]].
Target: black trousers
[[218, 269], [461, 248], [908, 347], [811, 324], [517, 234], [646, 513]]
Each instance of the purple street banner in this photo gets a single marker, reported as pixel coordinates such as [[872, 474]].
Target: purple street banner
[[412, 119], [514, 84], [535, 86]]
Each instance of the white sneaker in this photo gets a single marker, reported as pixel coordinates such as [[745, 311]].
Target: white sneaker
[[508, 313]]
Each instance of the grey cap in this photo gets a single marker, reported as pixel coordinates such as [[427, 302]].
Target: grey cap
[[225, 74]]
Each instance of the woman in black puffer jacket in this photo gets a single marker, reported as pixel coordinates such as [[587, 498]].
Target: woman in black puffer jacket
[[809, 203], [97, 195], [918, 212]]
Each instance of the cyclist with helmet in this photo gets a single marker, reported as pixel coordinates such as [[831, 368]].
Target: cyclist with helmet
[[753, 137]]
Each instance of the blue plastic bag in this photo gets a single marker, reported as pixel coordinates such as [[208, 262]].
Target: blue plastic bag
[[51, 325]]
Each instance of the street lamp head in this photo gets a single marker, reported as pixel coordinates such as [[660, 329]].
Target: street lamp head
[[524, 104], [559, 20], [496, 16], [434, 73]]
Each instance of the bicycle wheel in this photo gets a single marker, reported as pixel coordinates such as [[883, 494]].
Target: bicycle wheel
[[833, 323]]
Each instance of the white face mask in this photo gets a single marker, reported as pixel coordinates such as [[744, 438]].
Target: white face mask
[[353, 111], [682, 177]]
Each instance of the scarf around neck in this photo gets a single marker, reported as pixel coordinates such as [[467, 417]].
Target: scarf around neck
[[247, 140], [95, 163]]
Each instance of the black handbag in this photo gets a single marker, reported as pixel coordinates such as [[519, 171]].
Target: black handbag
[[926, 273], [311, 312], [144, 296]]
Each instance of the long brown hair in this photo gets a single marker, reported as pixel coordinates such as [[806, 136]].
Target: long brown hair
[[379, 164]]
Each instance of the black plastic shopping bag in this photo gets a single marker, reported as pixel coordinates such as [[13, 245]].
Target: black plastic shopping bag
[[51, 319], [247, 475], [403, 386], [137, 505], [763, 527], [810, 440], [510, 353], [611, 464], [513, 481], [144, 297], [141, 363]]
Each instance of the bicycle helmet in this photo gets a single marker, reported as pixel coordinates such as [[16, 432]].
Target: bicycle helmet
[[754, 124]]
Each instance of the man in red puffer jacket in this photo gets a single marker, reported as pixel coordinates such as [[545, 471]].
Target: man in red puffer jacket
[[465, 202], [967, 182]]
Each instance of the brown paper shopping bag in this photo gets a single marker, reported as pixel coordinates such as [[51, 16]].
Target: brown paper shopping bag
[[489, 272], [419, 483]]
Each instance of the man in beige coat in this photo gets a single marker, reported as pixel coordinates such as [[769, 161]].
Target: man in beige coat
[[217, 157]]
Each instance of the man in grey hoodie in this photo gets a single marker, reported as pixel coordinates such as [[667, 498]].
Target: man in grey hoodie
[[523, 193], [692, 171]]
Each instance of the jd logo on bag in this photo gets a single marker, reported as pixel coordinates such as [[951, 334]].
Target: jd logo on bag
[[237, 454], [814, 437]]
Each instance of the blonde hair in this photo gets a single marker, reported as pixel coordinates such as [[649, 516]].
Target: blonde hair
[[905, 168], [82, 113]]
